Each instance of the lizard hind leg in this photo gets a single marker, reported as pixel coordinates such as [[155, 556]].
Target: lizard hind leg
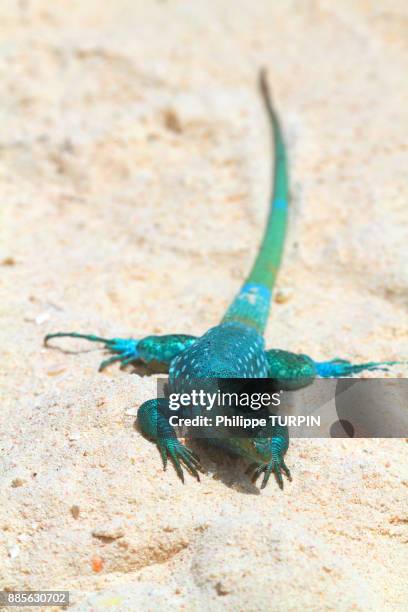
[[124, 350], [293, 371], [337, 368]]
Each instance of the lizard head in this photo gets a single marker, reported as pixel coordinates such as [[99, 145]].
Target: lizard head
[[255, 450], [259, 449]]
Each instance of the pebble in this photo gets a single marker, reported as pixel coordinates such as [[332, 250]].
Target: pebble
[[283, 295], [42, 318], [75, 511], [17, 482], [97, 564], [131, 412], [14, 551], [108, 532]]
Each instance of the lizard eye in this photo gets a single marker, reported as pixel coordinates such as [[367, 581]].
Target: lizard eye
[[262, 449]]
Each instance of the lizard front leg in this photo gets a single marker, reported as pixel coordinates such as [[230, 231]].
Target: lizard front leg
[[153, 420], [159, 349]]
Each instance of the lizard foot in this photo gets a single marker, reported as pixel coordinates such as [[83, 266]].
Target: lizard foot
[[277, 466], [341, 367], [179, 454], [123, 349]]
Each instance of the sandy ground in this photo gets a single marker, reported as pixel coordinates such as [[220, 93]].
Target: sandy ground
[[134, 172]]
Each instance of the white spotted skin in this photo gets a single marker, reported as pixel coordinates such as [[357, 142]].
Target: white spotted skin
[[229, 350]]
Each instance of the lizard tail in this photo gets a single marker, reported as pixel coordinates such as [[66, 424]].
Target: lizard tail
[[251, 305]]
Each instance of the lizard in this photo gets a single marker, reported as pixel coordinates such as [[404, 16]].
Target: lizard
[[234, 348]]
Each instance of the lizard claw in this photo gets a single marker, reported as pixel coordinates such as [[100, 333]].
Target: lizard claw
[[124, 349], [179, 455], [277, 466]]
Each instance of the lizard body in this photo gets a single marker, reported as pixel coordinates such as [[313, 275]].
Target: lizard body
[[233, 349]]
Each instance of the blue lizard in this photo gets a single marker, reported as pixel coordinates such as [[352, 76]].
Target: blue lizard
[[233, 349]]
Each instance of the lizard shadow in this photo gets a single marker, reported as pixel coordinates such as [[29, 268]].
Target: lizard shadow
[[138, 368], [224, 466], [68, 352]]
